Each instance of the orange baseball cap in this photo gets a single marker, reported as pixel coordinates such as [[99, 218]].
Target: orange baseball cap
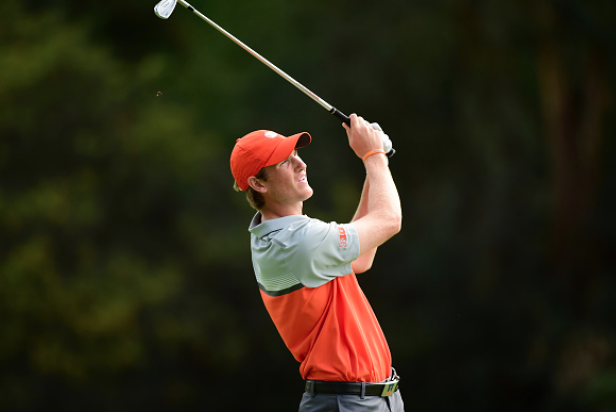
[[260, 149]]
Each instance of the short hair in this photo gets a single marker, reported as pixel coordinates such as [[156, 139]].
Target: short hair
[[254, 198]]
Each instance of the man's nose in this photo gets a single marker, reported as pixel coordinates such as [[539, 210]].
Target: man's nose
[[300, 162]]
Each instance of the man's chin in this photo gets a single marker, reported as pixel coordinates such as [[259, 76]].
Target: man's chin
[[309, 193]]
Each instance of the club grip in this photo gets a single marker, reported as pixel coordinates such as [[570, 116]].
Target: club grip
[[341, 116], [347, 121]]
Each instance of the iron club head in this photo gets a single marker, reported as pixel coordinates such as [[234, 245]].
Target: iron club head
[[164, 8]]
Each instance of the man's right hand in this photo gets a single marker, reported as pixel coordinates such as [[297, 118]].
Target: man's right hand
[[362, 136]]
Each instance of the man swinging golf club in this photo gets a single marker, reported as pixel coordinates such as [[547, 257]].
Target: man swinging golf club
[[305, 268]]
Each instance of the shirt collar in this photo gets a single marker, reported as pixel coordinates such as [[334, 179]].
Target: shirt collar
[[261, 229]]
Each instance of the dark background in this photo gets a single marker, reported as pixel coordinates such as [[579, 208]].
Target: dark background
[[125, 275]]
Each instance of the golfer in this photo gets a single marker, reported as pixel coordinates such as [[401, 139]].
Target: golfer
[[306, 268]]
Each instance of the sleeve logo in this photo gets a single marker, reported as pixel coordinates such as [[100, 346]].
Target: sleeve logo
[[343, 237]]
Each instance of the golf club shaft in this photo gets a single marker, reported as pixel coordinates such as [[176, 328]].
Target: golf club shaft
[[331, 109]]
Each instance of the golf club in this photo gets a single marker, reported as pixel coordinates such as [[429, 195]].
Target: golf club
[[164, 9]]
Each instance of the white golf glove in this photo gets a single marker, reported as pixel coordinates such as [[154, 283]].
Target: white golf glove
[[387, 145]]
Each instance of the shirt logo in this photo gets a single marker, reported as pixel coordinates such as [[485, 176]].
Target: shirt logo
[[343, 237]]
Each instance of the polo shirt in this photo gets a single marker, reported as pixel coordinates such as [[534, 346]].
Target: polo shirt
[[303, 270]]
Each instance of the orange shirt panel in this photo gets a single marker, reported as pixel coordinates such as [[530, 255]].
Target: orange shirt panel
[[332, 331]]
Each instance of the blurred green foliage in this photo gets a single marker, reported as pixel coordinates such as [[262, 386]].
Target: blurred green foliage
[[125, 273]]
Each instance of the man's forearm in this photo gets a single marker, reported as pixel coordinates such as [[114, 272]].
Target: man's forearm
[[384, 216], [383, 198]]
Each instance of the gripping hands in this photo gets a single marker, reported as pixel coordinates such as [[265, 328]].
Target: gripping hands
[[365, 137]]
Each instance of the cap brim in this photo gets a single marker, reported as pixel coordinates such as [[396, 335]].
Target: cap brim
[[286, 147], [303, 140]]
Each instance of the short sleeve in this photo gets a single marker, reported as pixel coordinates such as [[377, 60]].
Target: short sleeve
[[321, 251]]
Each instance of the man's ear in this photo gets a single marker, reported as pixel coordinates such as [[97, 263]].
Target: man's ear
[[256, 184]]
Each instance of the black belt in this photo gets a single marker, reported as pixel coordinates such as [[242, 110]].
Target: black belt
[[382, 389]]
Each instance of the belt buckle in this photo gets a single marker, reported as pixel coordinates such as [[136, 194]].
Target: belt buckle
[[389, 389]]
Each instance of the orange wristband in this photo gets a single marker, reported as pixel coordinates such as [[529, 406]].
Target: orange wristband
[[371, 152]]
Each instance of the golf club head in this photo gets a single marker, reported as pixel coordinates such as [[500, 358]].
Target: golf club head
[[164, 8]]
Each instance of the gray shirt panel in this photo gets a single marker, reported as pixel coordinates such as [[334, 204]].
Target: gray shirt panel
[[298, 250]]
